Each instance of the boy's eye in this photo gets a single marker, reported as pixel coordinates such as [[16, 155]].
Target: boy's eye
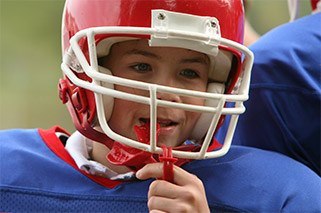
[[189, 73], [142, 67]]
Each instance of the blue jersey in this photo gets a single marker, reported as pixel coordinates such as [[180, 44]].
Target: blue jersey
[[38, 175], [284, 110]]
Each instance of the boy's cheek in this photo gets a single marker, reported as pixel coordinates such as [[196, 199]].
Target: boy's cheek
[[131, 90]]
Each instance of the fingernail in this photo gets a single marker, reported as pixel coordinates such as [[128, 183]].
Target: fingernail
[[138, 174]]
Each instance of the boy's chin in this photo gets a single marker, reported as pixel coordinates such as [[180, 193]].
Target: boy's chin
[[167, 141]]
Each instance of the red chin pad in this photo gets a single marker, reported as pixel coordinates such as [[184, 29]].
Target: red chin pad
[[121, 154]]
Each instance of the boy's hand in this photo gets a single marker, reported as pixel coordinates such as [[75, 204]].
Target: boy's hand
[[186, 194]]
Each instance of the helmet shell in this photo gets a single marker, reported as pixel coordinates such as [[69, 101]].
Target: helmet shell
[[83, 14]]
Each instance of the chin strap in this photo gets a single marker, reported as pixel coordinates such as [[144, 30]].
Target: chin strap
[[168, 163]]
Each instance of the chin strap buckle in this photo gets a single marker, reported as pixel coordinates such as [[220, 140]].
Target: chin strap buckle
[[168, 163]]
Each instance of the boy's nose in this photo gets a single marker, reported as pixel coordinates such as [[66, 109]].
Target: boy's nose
[[169, 97], [167, 80]]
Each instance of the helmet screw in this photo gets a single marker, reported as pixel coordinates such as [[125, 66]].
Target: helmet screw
[[161, 16], [213, 24]]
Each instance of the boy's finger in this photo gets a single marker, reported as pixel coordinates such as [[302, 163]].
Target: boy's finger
[[155, 170], [161, 188], [163, 204]]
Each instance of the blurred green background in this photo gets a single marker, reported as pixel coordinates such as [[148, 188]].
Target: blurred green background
[[30, 57]]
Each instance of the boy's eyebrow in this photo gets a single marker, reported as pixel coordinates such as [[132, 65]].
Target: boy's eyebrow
[[201, 60], [142, 52], [198, 59]]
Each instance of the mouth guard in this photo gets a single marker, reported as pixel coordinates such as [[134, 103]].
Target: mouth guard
[[121, 154]]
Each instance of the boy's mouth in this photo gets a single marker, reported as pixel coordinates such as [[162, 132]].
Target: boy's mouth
[[161, 122]]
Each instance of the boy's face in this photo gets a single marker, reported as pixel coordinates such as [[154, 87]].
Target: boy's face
[[175, 67]]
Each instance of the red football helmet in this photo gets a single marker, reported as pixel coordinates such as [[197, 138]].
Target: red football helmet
[[213, 27]]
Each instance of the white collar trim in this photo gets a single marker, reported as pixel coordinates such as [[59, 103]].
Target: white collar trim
[[79, 147]]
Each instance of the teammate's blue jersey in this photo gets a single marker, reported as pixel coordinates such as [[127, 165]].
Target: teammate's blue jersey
[[38, 175], [284, 110]]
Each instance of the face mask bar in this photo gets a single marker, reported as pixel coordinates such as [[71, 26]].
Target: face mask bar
[[92, 71]]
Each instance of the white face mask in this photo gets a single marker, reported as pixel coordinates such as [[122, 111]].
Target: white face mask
[[200, 39]]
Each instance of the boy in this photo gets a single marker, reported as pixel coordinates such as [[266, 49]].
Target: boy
[[145, 96]]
